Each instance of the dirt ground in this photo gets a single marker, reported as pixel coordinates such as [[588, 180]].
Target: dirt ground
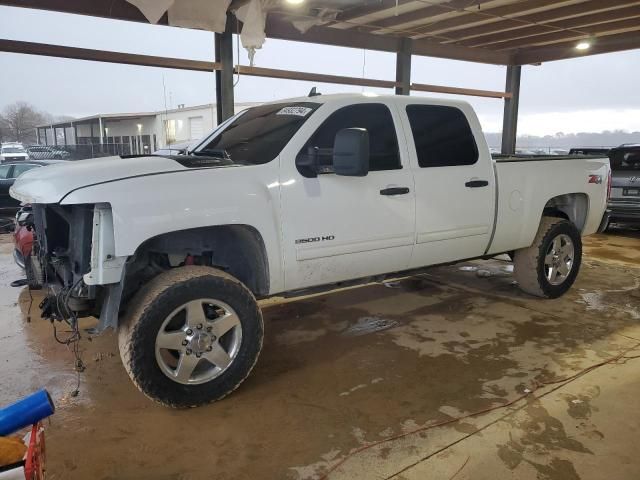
[[376, 382]]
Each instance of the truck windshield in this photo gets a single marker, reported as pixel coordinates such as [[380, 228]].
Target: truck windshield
[[258, 134], [12, 150]]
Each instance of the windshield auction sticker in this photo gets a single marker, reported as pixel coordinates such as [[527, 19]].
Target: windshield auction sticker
[[297, 111]]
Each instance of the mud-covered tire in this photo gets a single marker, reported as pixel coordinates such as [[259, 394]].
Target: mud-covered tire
[[529, 263], [152, 305]]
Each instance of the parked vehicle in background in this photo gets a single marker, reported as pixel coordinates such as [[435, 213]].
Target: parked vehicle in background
[[624, 203], [13, 152], [174, 149], [289, 198], [46, 152], [9, 172], [601, 151]]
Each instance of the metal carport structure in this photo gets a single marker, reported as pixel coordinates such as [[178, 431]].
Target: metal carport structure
[[502, 32]]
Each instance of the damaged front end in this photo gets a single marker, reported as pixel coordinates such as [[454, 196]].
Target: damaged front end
[[73, 258]]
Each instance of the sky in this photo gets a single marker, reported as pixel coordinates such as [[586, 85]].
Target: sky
[[588, 94]]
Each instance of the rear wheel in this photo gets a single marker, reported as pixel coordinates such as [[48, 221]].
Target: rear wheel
[[191, 336], [550, 265]]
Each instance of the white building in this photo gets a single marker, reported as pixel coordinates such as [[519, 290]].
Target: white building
[[131, 133]]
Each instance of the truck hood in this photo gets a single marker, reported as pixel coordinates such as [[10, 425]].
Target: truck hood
[[52, 183]]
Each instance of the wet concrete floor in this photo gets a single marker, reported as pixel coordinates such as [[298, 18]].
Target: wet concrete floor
[[343, 376]]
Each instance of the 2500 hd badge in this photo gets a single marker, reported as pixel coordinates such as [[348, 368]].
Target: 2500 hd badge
[[324, 238]]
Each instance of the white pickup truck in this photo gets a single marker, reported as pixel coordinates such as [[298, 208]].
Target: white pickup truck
[[288, 198]]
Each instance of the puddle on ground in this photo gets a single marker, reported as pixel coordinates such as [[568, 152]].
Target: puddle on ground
[[366, 325]]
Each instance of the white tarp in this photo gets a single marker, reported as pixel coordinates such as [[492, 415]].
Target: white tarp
[[203, 14], [253, 16]]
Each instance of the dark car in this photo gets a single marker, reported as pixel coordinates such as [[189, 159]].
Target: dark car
[[624, 203], [45, 152], [9, 172], [589, 151]]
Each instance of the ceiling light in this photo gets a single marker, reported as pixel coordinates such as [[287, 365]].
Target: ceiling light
[[583, 46], [294, 2]]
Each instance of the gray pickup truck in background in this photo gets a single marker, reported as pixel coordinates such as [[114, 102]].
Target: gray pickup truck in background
[[624, 202]]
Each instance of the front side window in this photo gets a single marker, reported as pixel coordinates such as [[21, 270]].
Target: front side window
[[258, 135], [4, 171], [376, 119], [442, 136]]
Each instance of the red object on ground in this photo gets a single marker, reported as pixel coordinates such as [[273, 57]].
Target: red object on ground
[[34, 467], [23, 242]]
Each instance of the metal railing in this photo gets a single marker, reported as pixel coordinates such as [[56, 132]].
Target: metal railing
[[84, 151]]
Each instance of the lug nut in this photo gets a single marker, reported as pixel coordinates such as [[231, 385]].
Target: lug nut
[[209, 329], [209, 348], [214, 338], [198, 355], [189, 332], [199, 326], [185, 343], [189, 351]]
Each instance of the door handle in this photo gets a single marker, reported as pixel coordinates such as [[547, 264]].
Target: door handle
[[476, 183], [394, 191]]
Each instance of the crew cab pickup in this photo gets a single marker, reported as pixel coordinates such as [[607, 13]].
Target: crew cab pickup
[[288, 198]]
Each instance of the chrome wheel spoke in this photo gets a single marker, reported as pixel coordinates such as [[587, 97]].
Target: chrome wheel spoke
[[223, 324], [186, 366], [195, 313], [553, 273], [171, 340], [564, 269], [218, 356]]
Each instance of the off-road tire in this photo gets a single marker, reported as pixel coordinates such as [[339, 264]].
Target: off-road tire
[[528, 263], [157, 299]]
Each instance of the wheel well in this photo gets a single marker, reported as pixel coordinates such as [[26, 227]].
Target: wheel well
[[571, 206], [236, 249]]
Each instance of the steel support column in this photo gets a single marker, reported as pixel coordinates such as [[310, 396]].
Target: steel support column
[[101, 133], [37, 135], [224, 76], [510, 116], [403, 67]]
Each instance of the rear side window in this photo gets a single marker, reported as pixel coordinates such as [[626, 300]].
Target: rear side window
[[4, 171], [442, 136], [376, 118]]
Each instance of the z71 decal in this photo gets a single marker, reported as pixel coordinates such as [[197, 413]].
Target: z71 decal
[[324, 238]]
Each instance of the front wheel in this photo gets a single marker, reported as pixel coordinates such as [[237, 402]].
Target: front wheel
[[550, 265], [191, 336]]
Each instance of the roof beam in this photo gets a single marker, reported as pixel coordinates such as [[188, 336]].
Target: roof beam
[[566, 50], [45, 49], [424, 87], [370, 7], [278, 28], [425, 13], [604, 29], [488, 15], [582, 12]]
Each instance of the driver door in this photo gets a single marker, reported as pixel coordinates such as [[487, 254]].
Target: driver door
[[335, 227]]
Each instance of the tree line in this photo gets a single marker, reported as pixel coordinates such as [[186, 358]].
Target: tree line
[[19, 120]]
